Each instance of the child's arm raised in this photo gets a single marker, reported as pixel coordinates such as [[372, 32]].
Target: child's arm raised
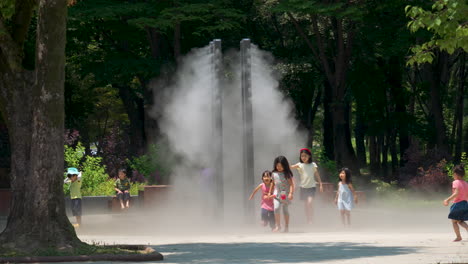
[[295, 166], [255, 191], [353, 191], [454, 194]]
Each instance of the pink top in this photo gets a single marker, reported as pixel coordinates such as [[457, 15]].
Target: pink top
[[462, 187], [267, 204]]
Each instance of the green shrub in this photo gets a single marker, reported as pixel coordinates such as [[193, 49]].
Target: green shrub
[[328, 167], [153, 161], [95, 180], [449, 165]]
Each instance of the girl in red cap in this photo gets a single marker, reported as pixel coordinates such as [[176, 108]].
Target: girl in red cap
[[309, 177]]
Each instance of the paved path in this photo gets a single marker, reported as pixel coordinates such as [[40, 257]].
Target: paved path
[[377, 236]]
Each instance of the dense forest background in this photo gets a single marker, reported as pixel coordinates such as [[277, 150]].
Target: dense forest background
[[379, 86]]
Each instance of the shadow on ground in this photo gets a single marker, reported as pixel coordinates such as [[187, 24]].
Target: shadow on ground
[[273, 252]]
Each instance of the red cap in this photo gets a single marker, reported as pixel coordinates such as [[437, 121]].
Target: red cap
[[305, 149]]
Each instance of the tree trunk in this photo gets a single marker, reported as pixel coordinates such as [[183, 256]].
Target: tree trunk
[[459, 109], [37, 219], [359, 134], [344, 153], [374, 156], [437, 76], [136, 114], [393, 153], [177, 37], [383, 142], [311, 117], [328, 139]]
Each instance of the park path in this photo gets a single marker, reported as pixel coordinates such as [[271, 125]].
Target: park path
[[384, 236]]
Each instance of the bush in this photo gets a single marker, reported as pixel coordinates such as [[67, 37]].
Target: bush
[[327, 167], [95, 180], [151, 164], [449, 166], [432, 179]]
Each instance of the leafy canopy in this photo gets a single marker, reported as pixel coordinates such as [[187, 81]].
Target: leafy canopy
[[447, 21]]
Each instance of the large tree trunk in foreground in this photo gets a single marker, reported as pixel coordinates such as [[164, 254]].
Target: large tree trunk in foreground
[[37, 220]]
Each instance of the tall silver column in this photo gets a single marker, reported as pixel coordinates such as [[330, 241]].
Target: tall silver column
[[247, 121], [215, 47]]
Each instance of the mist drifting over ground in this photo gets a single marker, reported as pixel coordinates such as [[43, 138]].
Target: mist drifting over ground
[[186, 109], [187, 122]]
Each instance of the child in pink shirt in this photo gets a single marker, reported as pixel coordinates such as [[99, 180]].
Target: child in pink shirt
[[268, 210], [459, 209]]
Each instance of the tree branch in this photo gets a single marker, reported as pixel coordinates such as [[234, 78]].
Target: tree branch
[[303, 35], [323, 57]]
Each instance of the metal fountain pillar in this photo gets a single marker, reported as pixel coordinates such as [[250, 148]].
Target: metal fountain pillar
[[217, 124], [247, 122]]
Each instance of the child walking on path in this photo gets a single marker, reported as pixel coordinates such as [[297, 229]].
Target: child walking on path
[[74, 178], [283, 186], [308, 174], [268, 215], [122, 187], [459, 209], [344, 196]]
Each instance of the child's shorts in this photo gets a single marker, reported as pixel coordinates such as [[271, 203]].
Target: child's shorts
[[459, 211], [307, 192], [76, 207]]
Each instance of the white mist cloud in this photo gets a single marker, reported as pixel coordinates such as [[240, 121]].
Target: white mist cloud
[[186, 121]]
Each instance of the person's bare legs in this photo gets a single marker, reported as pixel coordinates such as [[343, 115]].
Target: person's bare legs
[[308, 209], [128, 204], [278, 222], [456, 229], [286, 223], [342, 212], [463, 224], [78, 220], [122, 206], [348, 217]]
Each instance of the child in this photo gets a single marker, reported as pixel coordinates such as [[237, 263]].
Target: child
[[74, 178], [122, 188], [459, 209], [344, 196], [283, 191], [308, 173], [268, 216]]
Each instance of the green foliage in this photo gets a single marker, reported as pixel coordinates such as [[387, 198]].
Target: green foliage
[[7, 8], [327, 166], [447, 21], [150, 163], [95, 180], [449, 165], [387, 189]]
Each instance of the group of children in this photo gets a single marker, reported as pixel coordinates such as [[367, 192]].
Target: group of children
[[278, 189], [121, 187]]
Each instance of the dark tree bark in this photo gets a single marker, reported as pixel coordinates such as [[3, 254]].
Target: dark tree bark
[[459, 106], [37, 217], [311, 117], [359, 134], [374, 155], [135, 109], [328, 124], [437, 74]]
